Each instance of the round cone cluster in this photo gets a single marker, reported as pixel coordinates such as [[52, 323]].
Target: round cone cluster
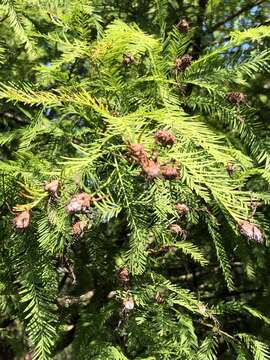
[[152, 169], [169, 172], [137, 152], [236, 98], [164, 137], [22, 220], [183, 62], [182, 209], [250, 231], [183, 25], [52, 187], [123, 275], [78, 228], [128, 59], [176, 229], [79, 203]]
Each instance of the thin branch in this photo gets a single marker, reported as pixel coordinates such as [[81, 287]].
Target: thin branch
[[83, 299], [15, 117], [197, 43], [189, 276], [232, 294], [234, 15], [72, 68], [4, 18]]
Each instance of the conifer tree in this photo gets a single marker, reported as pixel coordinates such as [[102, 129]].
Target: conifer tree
[[134, 186]]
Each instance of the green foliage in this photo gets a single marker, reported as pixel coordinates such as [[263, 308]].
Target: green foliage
[[77, 89]]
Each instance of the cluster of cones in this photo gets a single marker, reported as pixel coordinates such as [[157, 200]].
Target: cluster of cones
[[151, 169], [79, 203], [250, 231], [236, 98], [175, 229], [183, 62], [183, 26], [128, 302]]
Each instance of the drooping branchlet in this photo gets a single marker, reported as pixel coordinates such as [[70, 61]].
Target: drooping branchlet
[[52, 187], [250, 231], [183, 62], [164, 137], [22, 220], [183, 25], [182, 209], [236, 98], [128, 59]]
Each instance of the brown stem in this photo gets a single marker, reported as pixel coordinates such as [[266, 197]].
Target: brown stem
[[234, 15], [4, 18], [83, 299], [197, 44], [232, 293], [14, 117]]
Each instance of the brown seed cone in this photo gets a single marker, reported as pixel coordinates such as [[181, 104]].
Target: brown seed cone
[[137, 151], [159, 298], [115, 113], [123, 275], [150, 169], [78, 228], [230, 168], [128, 59], [182, 209], [236, 98], [22, 220], [183, 62], [164, 137], [250, 231], [169, 172], [52, 187], [176, 229], [128, 304], [183, 25], [79, 202]]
